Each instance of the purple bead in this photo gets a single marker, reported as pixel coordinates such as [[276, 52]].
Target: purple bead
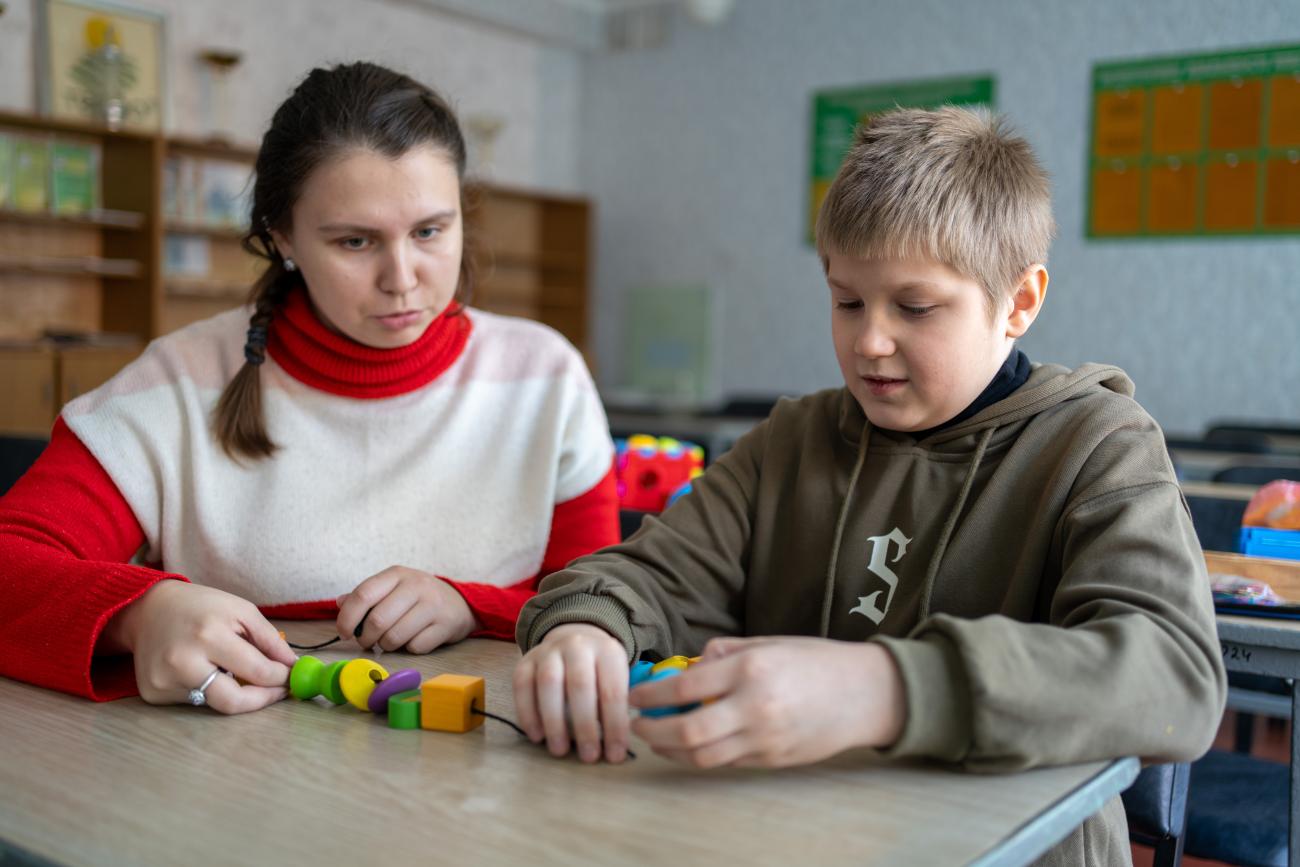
[[398, 681]]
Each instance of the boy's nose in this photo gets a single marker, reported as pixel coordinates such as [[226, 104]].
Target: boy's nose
[[874, 342]]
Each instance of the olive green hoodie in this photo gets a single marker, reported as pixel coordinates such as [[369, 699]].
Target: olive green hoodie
[[1033, 570]]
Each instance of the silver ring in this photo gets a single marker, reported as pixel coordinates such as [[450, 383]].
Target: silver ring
[[197, 698]]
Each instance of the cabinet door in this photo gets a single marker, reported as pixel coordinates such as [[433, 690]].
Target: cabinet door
[[86, 368], [27, 391]]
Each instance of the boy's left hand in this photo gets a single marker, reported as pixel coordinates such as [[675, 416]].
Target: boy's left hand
[[407, 609], [776, 702]]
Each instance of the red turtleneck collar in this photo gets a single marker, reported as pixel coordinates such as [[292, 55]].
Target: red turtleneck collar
[[311, 353]]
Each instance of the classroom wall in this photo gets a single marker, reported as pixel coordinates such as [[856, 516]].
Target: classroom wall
[[697, 154], [481, 69]]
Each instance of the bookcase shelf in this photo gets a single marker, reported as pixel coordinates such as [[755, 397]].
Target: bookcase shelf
[[128, 221], [225, 233], [108, 269]]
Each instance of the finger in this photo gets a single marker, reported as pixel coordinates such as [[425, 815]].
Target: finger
[[385, 614], [420, 616], [716, 648], [266, 638], [580, 689], [730, 751], [353, 606], [611, 686], [693, 729], [226, 696], [550, 703], [430, 638], [526, 699], [245, 662], [701, 681]]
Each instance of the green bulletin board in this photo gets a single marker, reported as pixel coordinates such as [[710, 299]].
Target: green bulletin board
[[836, 113], [1196, 145]]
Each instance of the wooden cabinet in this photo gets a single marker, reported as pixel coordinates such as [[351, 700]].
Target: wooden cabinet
[[36, 380], [28, 385], [533, 254]]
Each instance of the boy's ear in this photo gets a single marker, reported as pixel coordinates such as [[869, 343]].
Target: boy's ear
[[1027, 300]]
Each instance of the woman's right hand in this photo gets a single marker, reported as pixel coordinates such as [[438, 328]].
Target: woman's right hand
[[581, 669], [179, 633]]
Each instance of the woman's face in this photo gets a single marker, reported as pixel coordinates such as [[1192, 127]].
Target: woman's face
[[379, 243]]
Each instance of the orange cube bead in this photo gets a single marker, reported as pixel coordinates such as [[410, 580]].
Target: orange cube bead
[[446, 700]]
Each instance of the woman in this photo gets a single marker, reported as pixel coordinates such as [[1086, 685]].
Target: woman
[[364, 448]]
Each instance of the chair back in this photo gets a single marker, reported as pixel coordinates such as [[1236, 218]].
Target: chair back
[[17, 454], [1156, 805]]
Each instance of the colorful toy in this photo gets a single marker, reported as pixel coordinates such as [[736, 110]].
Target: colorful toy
[[399, 681], [447, 703], [404, 710], [310, 677], [651, 471], [645, 672], [358, 679]]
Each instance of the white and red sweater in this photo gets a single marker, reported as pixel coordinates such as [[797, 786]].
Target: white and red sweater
[[480, 453]]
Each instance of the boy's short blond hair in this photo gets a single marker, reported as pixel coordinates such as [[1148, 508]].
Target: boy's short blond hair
[[954, 185]]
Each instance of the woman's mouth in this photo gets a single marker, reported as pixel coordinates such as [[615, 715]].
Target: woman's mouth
[[398, 321]]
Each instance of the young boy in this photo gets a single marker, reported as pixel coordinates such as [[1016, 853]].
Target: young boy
[[992, 560]]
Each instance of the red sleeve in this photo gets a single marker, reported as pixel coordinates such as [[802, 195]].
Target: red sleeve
[[66, 534], [579, 526]]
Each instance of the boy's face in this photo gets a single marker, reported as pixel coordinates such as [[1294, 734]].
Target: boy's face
[[914, 338]]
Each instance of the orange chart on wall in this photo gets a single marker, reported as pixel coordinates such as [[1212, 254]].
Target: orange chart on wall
[[1205, 144]]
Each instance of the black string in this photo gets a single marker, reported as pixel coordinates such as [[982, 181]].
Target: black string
[[473, 708], [356, 633]]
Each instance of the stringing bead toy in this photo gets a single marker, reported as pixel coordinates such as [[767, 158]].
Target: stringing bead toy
[[399, 681], [650, 470], [358, 679], [447, 702], [404, 710], [310, 677], [645, 672]]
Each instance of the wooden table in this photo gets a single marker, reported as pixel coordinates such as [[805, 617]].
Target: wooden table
[[306, 783]]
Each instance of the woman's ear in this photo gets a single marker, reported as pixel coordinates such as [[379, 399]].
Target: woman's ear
[[1027, 300], [282, 245]]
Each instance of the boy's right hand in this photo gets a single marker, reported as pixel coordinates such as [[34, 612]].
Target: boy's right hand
[[179, 632], [583, 669]]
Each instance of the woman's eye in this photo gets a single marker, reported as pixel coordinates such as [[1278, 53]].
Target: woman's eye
[[426, 233], [353, 243]]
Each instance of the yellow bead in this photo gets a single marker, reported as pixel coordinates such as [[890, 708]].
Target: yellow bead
[[358, 679], [447, 702], [677, 662]]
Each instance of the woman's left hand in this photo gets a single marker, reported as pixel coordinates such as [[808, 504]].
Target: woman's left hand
[[407, 609]]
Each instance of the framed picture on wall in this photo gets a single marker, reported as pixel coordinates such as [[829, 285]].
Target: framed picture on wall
[[101, 63]]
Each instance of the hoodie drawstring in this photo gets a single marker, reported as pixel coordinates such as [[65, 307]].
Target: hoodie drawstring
[[927, 589], [839, 531]]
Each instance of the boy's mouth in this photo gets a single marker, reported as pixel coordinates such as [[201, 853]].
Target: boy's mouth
[[881, 386]]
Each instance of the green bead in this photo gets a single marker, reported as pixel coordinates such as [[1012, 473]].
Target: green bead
[[404, 710], [304, 678], [330, 682]]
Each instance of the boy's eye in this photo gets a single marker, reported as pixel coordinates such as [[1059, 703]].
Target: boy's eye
[[848, 304], [427, 233], [916, 311]]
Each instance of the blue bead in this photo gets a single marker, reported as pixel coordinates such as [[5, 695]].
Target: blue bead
[[640, 672]]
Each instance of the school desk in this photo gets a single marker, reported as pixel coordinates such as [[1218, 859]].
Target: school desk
[[1269, 646], [302, 783]]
